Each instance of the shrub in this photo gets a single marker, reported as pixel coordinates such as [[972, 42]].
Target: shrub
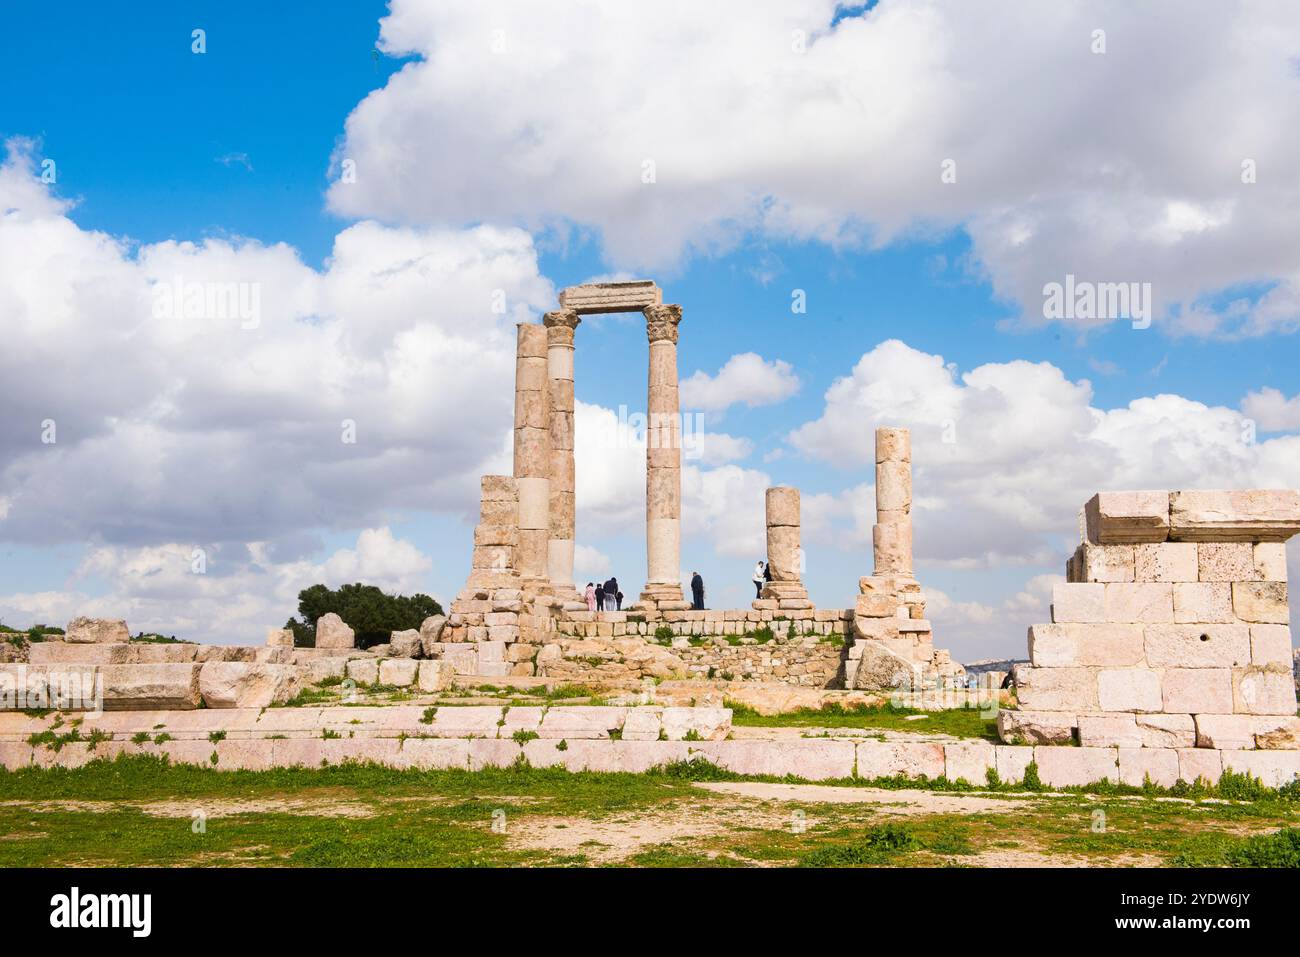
[[367, 610]]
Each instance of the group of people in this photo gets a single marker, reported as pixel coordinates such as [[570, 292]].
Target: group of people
[[604, 596]]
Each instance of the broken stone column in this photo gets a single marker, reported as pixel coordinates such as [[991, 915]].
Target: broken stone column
[[496, 537], [663, 499], [892, 536], [560, 326], [533, 451], [784, 553], [889, 620]]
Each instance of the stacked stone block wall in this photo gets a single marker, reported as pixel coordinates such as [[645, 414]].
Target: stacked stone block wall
[[1171, 631]]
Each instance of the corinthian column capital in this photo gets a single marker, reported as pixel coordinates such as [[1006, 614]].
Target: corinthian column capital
[[661, 322], [560, 325]]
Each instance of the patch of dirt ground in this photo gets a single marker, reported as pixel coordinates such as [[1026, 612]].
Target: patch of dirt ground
[[885, 800]]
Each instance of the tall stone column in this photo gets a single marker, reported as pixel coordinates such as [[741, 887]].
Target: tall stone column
[[560, 326], [892, 536], [663, 482], [533, 451], [784, 552]]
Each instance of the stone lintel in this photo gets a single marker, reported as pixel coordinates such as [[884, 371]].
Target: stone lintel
[[605, 297]]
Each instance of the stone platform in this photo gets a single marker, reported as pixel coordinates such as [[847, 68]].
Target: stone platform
[[578, 738]]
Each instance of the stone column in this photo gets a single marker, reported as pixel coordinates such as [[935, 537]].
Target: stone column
[[892, 536], [783, 549], [663, 481], [533, 451], [560, 326]]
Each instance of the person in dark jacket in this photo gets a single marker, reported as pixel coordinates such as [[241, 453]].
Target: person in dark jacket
[[611, 593], [697, 591], [600, 597]]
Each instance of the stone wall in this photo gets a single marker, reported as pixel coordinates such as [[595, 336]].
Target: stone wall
[[724, 644], [1172, 630]]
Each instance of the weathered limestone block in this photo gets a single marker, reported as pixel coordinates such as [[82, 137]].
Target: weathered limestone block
[[1234, 732], [58, 652], [398, 672], [431, 630], [499, 513], [1203, 602], [642, 724], [880, 669], [364, 671], [1270, 561], [1225, 561], [1198, 646], [710, 724], [1082, 602], [279, 638], [1148, 602], [877, 605], [498, 488], [883, 759], [474, 721], [892, 543], [1073, 767], [487, 536], [629, 296], [435, 676], [893, 445], [1263, 691], [1277, 732], [1119, 518], [1073, 645], [1197, 690], [1036, 727], [1261, 602], [1107, 563], [1129, 689], [172, 687], [969, 761], [1200, 764], [1166, 730], [332, 632], [894, 487], [96, 631], [782, 505], [1256, 515], [1165, 562], [1057, 689], [783, 552], [1012, 762], [1109, 731], [237, 684], [1273, 768], [1270, 645], [581, 722], [1157, 765], [406, 644]]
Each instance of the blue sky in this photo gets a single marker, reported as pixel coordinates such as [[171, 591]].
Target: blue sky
[[239, 145]]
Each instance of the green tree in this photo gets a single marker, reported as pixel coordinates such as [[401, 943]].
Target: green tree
[[371, 613]]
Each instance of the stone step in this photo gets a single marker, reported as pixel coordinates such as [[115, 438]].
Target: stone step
[[809, 759]]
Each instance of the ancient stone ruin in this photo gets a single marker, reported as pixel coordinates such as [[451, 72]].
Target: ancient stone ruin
[[520, 611], [1168, 655], [1171, 634]]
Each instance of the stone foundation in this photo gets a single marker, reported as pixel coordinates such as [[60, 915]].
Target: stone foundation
[[632, 739]]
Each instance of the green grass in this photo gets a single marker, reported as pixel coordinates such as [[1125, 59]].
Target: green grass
[[958, 722], [425, 818]]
